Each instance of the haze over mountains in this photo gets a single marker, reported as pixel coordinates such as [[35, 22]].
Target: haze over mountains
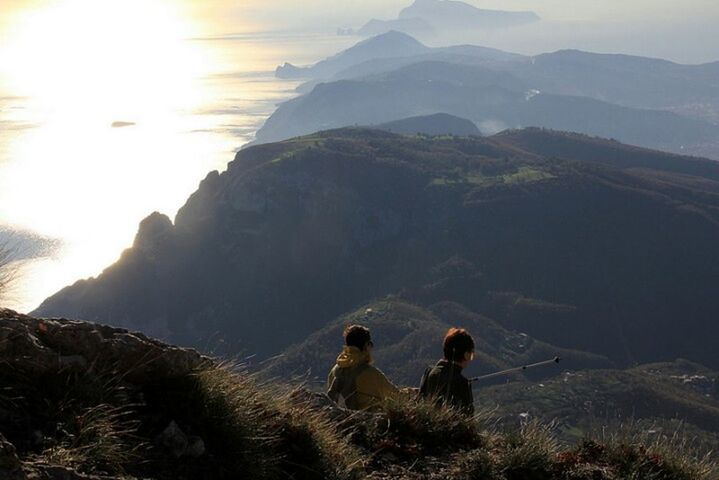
[[648, 102], [437, 124], [428, 17]]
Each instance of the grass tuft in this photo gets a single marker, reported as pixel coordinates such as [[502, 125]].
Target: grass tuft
[[528, 453], [101, 439], [8, 272], [263, 432]]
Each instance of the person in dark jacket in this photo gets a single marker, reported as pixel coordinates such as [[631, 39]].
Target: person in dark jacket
[[444, 383]]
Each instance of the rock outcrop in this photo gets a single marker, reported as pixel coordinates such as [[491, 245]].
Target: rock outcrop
[[36, 354], [40, 346]]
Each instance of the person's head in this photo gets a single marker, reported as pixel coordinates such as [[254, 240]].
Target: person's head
[[358, 336], [458, 346]]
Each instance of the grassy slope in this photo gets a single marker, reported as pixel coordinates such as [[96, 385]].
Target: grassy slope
[[99, 419], [669, 397], [408, 339]]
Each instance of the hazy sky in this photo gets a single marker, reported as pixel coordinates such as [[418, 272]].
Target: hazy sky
[[292, 12], [244, 14], [679, 30]]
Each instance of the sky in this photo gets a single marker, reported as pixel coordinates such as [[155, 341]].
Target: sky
[[244, 15], [293, 12], [683, 31]]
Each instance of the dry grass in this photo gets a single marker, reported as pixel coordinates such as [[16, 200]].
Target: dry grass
[[415, 427], [658, 456], [8, 273], [96, 423], [101, 439], [263, 432]]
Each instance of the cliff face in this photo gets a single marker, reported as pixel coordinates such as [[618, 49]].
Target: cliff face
[[581, 252], [69, 389]]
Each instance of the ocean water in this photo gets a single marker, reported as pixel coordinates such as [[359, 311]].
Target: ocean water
[[87, 152]]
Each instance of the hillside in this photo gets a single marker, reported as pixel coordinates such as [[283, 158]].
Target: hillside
[[493, 99], [388, 45], [678, 397], [437, 124], [579, 397], [82, 401], [389, 50], [408, 338], [622, 80], [580, 255], [633, 81]]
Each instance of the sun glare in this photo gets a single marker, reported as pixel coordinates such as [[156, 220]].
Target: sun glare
[[78, 68], [84, 65], [102, 56]]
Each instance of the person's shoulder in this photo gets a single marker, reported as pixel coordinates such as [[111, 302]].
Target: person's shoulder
[[369, 369], [459, 376]]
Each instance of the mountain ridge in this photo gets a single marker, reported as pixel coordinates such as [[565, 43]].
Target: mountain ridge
[[296, 233], [494, 99], [390, 44], [435, 124]]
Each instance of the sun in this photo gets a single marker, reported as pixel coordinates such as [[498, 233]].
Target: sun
[[82, 66], [104, 58], [71, 70]]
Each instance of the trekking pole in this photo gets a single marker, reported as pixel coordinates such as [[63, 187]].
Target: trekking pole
[[517, 369]]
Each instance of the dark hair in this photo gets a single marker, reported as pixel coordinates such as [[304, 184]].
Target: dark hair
[[357, 336], [457, 342]]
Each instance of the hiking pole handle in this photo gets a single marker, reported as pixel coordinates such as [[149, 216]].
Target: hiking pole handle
[[516, 369]]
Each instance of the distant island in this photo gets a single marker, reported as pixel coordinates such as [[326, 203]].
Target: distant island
[[427, 17], [417, 27], [120, 124]]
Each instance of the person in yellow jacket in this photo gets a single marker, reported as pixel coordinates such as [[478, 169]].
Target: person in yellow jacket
[[354, 379]]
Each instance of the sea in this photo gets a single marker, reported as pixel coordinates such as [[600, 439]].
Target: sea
[[88, 150]]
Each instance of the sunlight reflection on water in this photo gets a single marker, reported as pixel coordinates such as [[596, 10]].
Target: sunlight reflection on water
[[67, 174]]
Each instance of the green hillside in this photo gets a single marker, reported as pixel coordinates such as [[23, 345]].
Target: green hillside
[[581, 254]]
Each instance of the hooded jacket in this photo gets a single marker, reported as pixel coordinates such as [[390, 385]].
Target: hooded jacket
[[361, 385], [445, 384]]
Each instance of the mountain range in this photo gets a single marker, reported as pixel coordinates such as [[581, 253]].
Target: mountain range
[[578, 242], [494, 100], [643, 101]]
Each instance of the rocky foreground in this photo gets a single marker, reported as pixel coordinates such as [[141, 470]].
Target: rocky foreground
[[85, 401]]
